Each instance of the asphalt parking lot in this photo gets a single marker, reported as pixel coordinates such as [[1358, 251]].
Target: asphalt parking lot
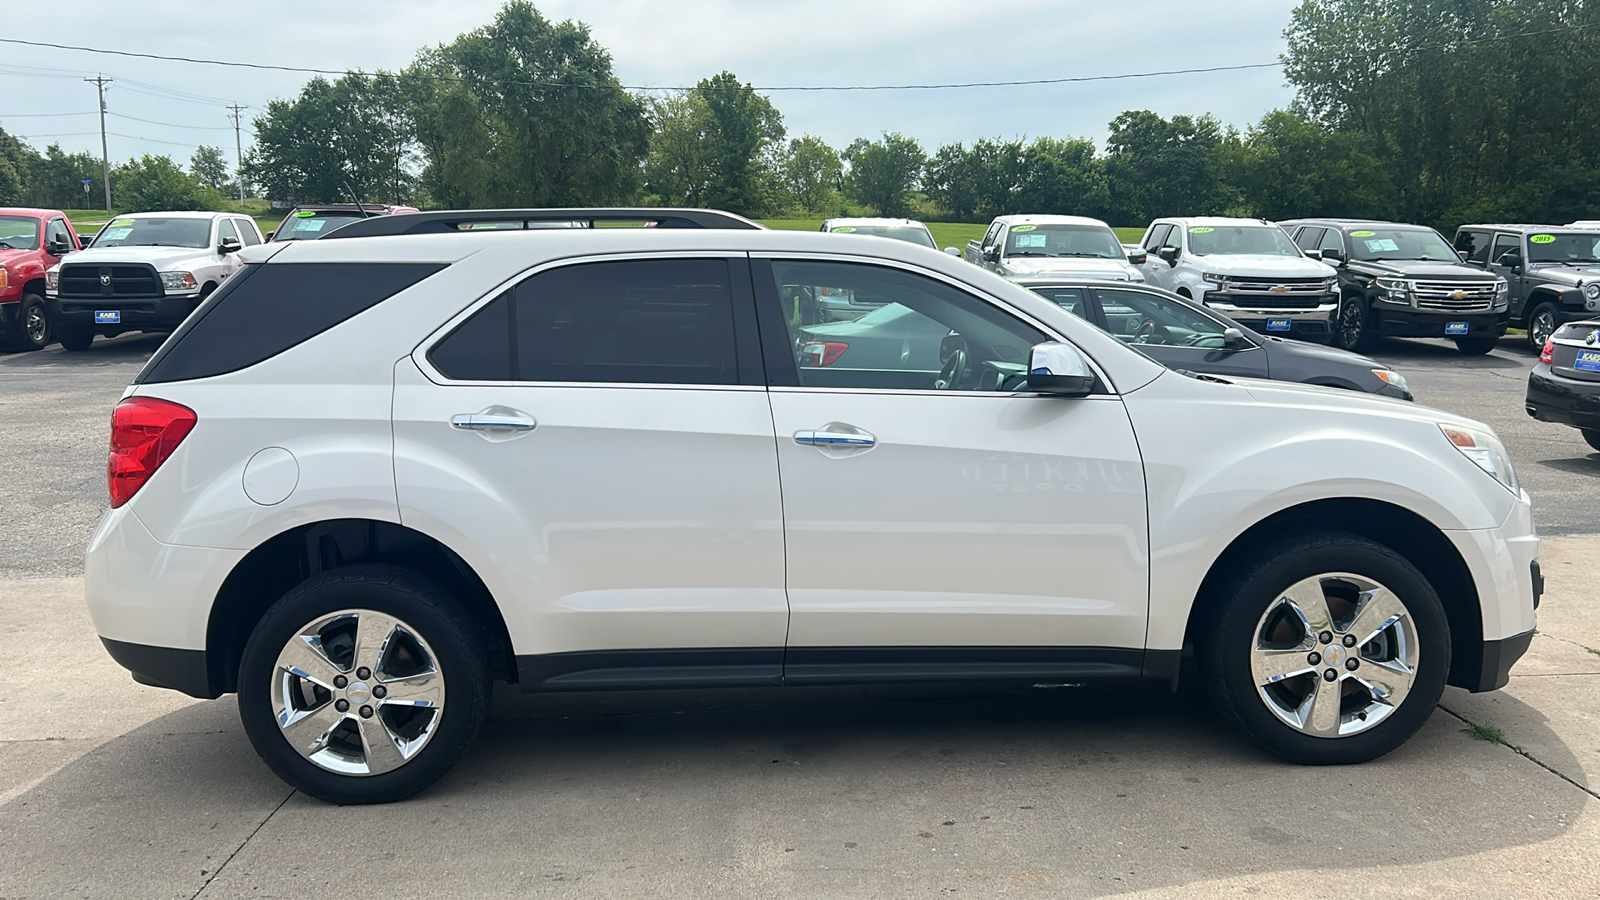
[[108, 788]]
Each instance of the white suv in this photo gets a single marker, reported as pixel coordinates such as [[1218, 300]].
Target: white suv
[[370, 476], [1248, 270]]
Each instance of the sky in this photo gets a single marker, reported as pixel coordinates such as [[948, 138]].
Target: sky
[[171, 107]]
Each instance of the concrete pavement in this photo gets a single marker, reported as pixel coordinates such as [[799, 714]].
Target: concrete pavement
[[110, 789]]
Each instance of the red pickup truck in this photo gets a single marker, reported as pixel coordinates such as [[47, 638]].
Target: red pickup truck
[[31, 241]]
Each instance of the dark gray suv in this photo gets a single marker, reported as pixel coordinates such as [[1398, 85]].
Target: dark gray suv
[[1553, 271]]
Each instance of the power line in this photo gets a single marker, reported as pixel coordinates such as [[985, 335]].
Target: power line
[[171, 125], [135, 137], [41, 115]]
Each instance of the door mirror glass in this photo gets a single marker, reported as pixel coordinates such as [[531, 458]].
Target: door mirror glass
[[229, 245], [1059, 369], [1138, 257]]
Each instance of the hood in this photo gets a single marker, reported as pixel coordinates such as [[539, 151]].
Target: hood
[[1567, 274], [1264, 264], [8, 255], [1296, 393], [1322, 353], [1414, 268], [165, 259], [1080, 266]]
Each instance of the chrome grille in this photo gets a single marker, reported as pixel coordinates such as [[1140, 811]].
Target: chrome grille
[[1453, 296]]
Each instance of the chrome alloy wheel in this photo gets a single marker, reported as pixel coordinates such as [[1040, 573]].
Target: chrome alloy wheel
[[357, 692], [1352, 319], [1334, 655], [35, 327], [1542, 327]]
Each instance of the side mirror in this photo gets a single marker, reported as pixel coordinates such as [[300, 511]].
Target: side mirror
[[1170, 254], [1233, 338], [1312, 254], [229, 245], [269, 235], [1138, 257], [1331, 257], [991, 255], [1510, 259], [1059, 370], [952, 251], [58, 248], [1466, 255]]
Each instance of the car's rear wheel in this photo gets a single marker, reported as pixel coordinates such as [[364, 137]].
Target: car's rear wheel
[[1541, 325], [32, 328], [1593, 437], [1328, 649], [363, 685], [1476, 346], [1351, 332]]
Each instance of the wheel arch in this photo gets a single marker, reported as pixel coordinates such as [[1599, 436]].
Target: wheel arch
[[1412, 536], [290, 557], [34, 286]]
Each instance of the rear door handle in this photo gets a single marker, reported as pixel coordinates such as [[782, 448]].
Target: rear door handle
[[491, 422]]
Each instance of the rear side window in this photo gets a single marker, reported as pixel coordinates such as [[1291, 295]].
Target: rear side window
[[268, 308], [663, 321]]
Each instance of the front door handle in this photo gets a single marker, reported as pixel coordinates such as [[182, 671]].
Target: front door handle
[[834, 439], [492, 422]]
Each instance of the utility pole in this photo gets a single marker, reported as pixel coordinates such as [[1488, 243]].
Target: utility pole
[[100, 83], [238, 150]]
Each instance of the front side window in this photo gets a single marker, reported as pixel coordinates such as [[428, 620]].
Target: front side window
[[56, 232], [19, 233], [1092, 241], [1158, 234], [1139, 317], [248, 233], [1206, 240], [226, 231], [1476, 245], [155, 231], [991, 234], [1504, 244], [1568, 247], [923, 335], [666, 321], [1308, 237], [1332, 239]]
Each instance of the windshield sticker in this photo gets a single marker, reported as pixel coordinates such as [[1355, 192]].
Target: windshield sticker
[[845, 230], [117, 234], [314, 225], [1542, 239], [1381, 245], [1025, 228], [1201, 230], [304, 213], [1362, 233], [121, 223], [1032, 240]]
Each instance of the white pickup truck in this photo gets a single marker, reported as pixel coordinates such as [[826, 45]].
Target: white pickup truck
[[1056, 245], [1246, 269]]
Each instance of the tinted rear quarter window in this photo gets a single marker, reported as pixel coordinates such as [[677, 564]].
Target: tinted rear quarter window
[[268, 308]]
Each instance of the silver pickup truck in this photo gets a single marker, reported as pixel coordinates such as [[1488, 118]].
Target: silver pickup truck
[[1054, 245]]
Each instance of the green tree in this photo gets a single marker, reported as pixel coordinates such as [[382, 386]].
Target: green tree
[[157, 183], [210, 167], [678, 169], [812, 174], [15, 157], [1291, 166], [743, 130], [526, 112], [1063, 176], [883, 173], [336, 137], [1162, 167], [55, 179]]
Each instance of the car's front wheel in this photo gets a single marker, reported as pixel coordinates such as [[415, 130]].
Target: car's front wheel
[[1327, 649], [32, 328], [1593, 437], [1351, 333], [363, 685], [1476, 346], [1541, 325]]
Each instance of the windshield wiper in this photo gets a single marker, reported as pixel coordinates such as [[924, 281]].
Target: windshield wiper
[[1026, 253], [1086, 255]]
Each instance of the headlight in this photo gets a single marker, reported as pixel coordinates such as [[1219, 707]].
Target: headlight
[[1592, 290], [1392, 378], [1501, 286], [1486, 451], [52, 281], [1213, 278], [177, 281], [1396, 287]]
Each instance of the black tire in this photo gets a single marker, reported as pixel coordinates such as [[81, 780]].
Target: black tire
[[1542, 322], [75, 338], [31, 331], [1593, 437], [1352, 331], [427, 609], [1240, 603], [1477, 346]]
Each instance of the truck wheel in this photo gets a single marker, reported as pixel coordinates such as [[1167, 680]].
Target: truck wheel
[[1541, 325], [1326, 649], [1593, 437], [363, 685], [1351, 331], [32, 328], [1477, 346], [75, 337]]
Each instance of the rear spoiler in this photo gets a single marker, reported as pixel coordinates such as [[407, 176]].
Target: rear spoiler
[[459, 220]]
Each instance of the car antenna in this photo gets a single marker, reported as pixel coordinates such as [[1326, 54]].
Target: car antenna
[[359, 208]]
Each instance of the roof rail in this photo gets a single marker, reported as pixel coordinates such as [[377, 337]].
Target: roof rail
[[459, 220]]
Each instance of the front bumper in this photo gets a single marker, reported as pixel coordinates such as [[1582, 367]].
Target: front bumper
[[1504, 565], [1564, 401], [1406, 321], [1498, 658], [136, 314], [1311, 324]]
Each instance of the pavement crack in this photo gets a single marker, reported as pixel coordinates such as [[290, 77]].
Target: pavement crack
[[262, 824], [1481, 729]]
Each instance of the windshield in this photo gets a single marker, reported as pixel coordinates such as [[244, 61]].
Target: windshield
[[911, 234], [155, 231], [308, 224], [1206, 240], [1400, 243], [19, 233], [1571, 247], [1094, 241]]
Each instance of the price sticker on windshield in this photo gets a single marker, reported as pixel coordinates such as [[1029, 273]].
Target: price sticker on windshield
[[1032, 240], [1542, 239]]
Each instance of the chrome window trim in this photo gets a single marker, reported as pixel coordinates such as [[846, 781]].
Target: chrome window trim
[[419, 354]]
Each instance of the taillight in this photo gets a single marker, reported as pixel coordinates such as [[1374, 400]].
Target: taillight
[[1548, 354], [144, 432], [821, 353]]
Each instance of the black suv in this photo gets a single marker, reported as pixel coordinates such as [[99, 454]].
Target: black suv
[[1553, 270], [1403, 281]]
